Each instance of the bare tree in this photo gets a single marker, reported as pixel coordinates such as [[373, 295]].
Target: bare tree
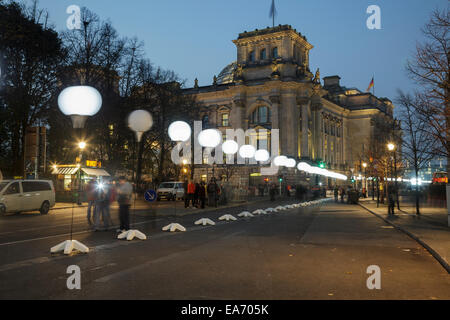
[[430, 68], [418, 143]]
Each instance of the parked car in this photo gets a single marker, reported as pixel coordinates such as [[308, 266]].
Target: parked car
[[26, 195], [170, 191]]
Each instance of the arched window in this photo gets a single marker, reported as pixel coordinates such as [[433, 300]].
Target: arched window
[[263, 54], [275, 53], [205, 121], [251, 56], [261, 115]]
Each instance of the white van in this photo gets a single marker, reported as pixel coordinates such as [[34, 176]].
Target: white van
[[170, 191], [26, 195]]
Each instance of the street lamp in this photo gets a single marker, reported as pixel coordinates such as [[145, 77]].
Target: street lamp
[[139, 121], [78, 102], [392, 147], [365, 176]]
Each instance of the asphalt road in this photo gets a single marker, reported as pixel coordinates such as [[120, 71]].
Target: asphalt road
[[320, 252]]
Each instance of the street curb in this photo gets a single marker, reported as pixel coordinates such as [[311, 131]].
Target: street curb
[[436, 255], [76, 206]]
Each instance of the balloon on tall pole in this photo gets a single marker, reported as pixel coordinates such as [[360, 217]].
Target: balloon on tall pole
[[139, 121], [78, 102]]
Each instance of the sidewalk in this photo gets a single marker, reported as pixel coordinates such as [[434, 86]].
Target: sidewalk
[[430, 229]]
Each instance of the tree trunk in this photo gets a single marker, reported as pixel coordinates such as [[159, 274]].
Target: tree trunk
[[417, 193]]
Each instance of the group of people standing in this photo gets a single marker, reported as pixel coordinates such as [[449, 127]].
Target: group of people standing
[[101, 195], [196, 192]]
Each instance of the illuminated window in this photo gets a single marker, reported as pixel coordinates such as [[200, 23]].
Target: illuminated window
[[225, 119]]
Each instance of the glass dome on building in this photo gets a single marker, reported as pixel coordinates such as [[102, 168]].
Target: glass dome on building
[[227, 74]]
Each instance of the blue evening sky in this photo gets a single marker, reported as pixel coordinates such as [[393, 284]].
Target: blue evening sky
[[193, 37]]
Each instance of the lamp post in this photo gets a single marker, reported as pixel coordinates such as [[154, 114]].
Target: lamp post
[[81, 146], [78, 102], [139, 121], [392, 147], [365, 177]]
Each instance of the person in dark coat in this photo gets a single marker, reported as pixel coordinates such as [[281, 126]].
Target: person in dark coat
[[273, 191], [196, 194], [202, 194], [212, 193]]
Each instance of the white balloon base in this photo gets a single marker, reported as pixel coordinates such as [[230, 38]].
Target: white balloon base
[[131, 234], [68, 246]]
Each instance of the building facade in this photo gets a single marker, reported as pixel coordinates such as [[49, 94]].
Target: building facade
[[270, 86]]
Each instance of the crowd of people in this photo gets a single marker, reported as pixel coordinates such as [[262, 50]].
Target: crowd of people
[[100, 196], [197, 192]]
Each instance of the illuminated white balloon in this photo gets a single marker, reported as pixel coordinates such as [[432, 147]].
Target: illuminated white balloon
[[140, 121], [247, 151], [262, 155], [210, 138], [79, 102], [179, 131], [280, 161], [230, 147], [290, 163], [303, 166]]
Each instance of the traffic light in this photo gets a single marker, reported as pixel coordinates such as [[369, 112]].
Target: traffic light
[[322, 165], [280, 178], [353, 180]]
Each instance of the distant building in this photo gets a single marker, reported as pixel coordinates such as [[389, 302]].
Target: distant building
[[271, 86]]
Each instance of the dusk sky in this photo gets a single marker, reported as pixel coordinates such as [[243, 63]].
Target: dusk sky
[[193, 38]]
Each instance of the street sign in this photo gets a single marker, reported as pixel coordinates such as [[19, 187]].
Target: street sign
[[150, 195]]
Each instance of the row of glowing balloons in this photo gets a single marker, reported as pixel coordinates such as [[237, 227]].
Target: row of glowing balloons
[[84, 101], [181, 131]]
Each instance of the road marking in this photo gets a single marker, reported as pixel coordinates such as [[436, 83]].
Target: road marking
[[158, 260], [112, 245], [139, 267], [66, 234]]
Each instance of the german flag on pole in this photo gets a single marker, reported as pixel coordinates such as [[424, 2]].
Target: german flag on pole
[[371, 85]]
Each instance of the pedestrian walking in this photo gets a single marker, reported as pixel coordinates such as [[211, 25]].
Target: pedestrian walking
[[391, 200], [212, 193], [190, 194], [110, 197], [196, 194], [336, 194], [202, 194], [273, 191], [91, 196], [99, 205], [342, 194], [124, 195]]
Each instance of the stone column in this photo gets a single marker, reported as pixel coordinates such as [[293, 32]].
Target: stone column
[[289, 124], [238, 113], [275, 100], [316, 109], [303, 103]]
